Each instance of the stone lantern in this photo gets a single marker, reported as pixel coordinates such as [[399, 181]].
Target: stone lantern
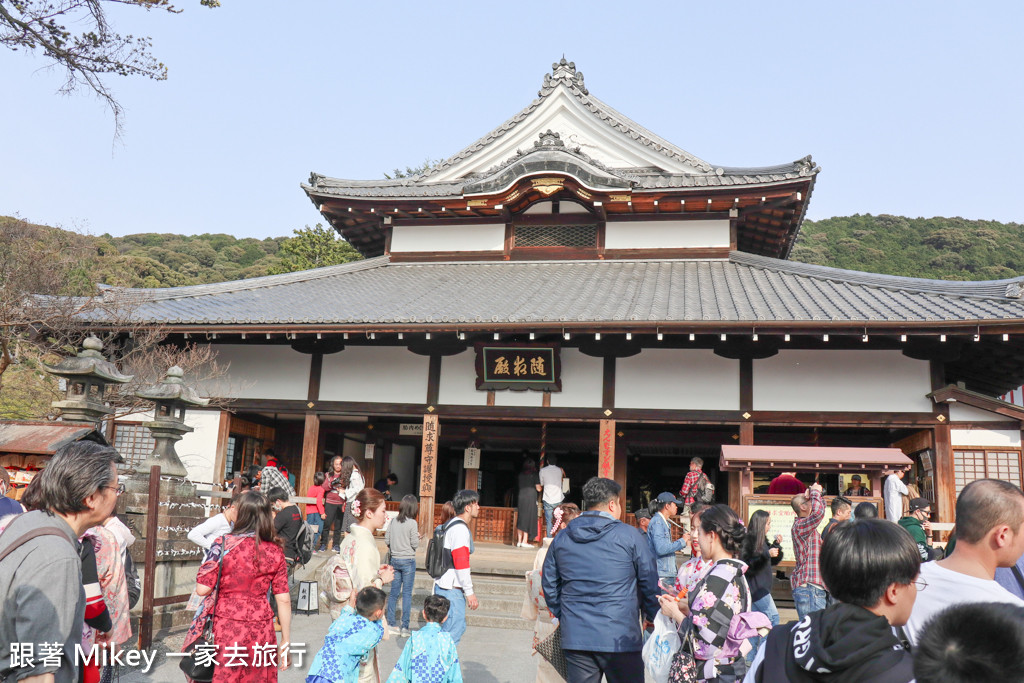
[[86, 377], [172, 398]]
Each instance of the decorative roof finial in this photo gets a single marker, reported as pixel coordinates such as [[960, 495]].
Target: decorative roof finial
[[564, 71], [549, 139]]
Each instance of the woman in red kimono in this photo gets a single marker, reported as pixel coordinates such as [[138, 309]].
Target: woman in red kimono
[[252, 562]]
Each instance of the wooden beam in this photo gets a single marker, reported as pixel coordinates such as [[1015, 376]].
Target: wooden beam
[[221, 456], [310, 454], [608, 383], [945, 481], [433, 379]]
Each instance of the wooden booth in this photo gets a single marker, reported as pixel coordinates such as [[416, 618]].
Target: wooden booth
[[817, 463]]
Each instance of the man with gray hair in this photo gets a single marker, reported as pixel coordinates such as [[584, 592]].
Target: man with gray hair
[[42, 602]]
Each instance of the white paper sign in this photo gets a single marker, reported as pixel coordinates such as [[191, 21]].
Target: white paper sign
[[472, 459], [405, 429], [368, 453]]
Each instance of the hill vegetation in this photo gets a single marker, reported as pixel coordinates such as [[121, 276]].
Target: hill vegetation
[[939, 248], [935, 248]]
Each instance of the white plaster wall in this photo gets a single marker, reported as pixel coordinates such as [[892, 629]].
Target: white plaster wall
[[582, 381], [458, 381], [375, 374], [681, 379], [666, 234], [958, 412], [488, 237], [997, 438], [260, 371], [813, 380], [198, 449], [529, 399]]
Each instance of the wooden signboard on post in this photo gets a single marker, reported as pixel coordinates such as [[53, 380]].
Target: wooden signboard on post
[[606, 450], [428, 461], [428, 471]]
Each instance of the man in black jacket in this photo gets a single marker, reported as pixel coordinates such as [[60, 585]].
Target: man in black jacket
[[871, 566]]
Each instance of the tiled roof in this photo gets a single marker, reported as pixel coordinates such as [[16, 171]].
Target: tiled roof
[[478, 294], [564, 75]]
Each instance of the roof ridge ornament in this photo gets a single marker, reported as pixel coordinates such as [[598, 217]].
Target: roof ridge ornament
[[549, 139], [564, 71], [1015, 290]]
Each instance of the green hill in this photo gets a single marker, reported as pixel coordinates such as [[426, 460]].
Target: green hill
[[936, 248], [940, 248]]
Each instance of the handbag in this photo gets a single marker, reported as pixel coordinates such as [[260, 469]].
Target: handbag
[[200, 668], [684, 665], [551, 649]]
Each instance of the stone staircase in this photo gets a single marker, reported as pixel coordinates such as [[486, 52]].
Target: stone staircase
[[501, 601]]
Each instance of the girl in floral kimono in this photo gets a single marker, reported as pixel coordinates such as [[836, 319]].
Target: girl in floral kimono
[[534, 607], [704, 620]]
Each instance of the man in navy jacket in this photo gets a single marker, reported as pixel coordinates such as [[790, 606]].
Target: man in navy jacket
[[598, 575]]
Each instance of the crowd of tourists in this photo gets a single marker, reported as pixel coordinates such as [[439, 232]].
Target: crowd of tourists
[[608, 600]]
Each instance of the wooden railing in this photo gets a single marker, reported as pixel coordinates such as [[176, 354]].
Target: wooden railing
[[494, 525]]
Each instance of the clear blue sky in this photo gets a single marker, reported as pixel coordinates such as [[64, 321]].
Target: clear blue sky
[[911, 108]]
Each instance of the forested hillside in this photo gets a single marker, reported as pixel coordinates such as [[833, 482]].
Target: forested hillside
[[942, 248], [165, 260], [937, 248]]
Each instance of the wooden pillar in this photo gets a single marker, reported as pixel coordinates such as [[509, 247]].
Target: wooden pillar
[[945, 483], [310, 455], [221, 456], [620, 477], [311, 429], [606, 451], [741, 483], [428, 472]]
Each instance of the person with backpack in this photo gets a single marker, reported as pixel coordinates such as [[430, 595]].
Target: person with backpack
[[40, 569], [455, 582], [288, 525], [697, 488]]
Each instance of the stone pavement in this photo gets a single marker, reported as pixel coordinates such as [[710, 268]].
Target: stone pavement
[[489, 655]]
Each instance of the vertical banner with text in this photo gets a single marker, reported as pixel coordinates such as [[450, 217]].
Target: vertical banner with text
[[428, 459], [606, 450]]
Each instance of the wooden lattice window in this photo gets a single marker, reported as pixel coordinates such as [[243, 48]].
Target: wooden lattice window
[[572, 235], [982, 463], [133, 441]]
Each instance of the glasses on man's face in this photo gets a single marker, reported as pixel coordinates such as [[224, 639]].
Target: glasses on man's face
[[119, 489], [920, 583]]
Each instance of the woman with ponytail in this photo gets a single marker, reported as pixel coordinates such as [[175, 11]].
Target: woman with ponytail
[[534, 607], [708, 610]]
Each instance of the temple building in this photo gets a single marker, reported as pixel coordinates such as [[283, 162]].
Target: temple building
[[574, 284]]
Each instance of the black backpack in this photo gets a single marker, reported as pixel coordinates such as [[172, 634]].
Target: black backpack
[[304, 543], [439, 559], [705, 490]]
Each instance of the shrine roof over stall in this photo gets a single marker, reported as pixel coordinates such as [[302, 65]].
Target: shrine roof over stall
[[608, 161]]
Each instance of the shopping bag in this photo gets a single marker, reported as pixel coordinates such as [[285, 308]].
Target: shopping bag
[[660, 648]]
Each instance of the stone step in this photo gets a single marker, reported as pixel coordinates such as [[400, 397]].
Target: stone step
[[510, 606], [482, 585]]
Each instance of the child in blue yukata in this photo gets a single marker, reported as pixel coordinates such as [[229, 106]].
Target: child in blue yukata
[[350, 640], [430, 655]]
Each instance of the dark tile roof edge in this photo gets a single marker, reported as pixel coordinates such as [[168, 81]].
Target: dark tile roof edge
[[164, 293], [987, 289]]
